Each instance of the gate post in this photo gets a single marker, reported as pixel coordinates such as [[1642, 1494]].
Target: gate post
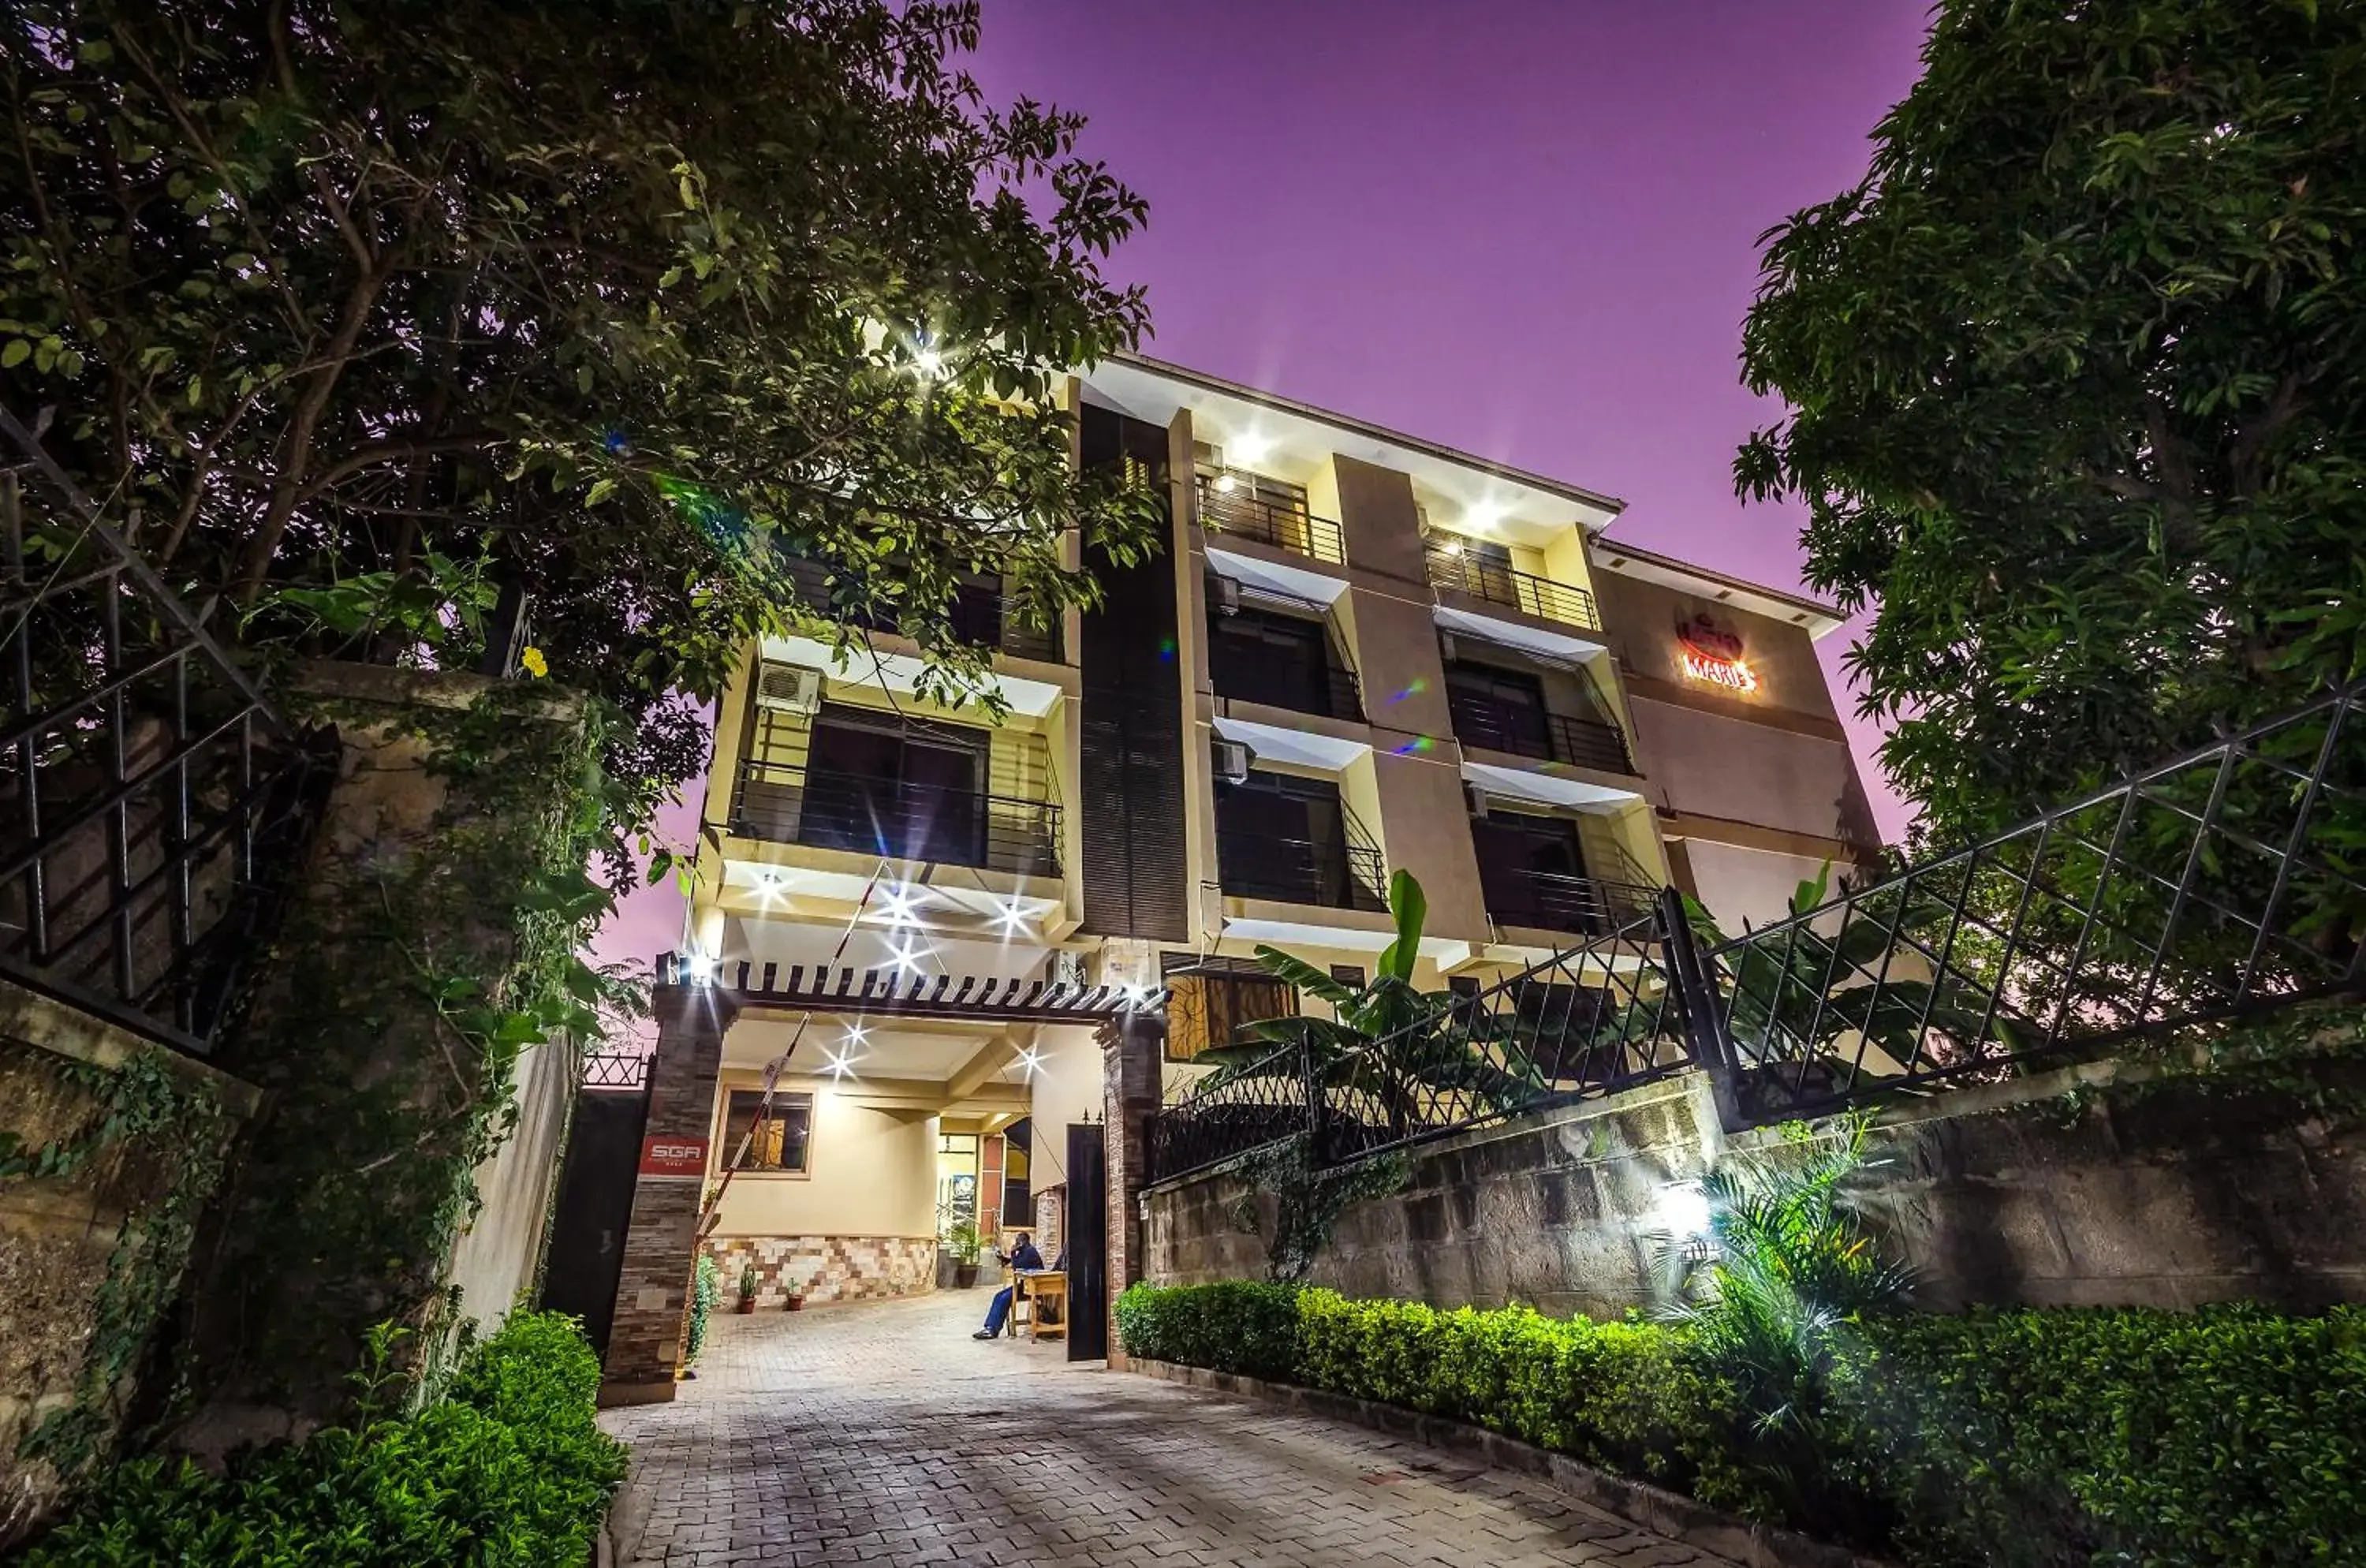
[[662, 1237], [1133, 1047], [1700, 1009]]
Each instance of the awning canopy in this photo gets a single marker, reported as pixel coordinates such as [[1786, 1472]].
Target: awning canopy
[[1296, 748], [1287, 583], [1553, 647], [1547, 789]]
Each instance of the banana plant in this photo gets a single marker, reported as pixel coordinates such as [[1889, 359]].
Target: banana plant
[[1387, 1044]]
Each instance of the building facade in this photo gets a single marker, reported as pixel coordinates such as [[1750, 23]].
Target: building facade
[[1360, 653]]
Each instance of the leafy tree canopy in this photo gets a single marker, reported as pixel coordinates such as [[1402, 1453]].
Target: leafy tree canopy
[[2078, 389], [368, 305]]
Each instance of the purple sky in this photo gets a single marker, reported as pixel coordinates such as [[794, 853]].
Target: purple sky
[[1527, 230]]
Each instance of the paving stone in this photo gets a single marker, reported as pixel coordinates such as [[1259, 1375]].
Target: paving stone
[[880, 1432]]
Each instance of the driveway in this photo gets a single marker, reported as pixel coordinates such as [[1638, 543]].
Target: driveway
[[881, 1432]]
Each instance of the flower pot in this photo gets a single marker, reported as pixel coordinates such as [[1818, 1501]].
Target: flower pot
[[965, 1276], [796, 1303], [744, 1305]]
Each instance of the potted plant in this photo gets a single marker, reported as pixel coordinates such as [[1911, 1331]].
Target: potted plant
[[964, 1242], [747, 1288], [796, 1298]]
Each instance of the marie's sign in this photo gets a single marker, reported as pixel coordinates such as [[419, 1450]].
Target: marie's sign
[[1711, 653]]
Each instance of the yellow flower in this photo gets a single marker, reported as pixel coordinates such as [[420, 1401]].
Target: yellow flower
[[535, 665]]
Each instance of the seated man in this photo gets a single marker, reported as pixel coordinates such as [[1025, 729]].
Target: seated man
[[1026, 1260]]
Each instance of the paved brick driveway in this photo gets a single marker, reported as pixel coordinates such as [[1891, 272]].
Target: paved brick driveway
[[882, 1433]]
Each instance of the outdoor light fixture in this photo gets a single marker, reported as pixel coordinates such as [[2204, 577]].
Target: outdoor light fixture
[[1134, 995], [1031, 1061], [1248, 447], [1682, 1210], [930, 363], [841, 1067], [1226, 484], [855, 1035], [1483, 515], [1012, 919], [906, 960], [900, 901]]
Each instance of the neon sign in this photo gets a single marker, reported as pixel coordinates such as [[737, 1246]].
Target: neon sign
[[1713, 653]]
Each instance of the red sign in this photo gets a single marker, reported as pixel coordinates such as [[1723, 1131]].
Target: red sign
[[1712, 652], [673, 1157]]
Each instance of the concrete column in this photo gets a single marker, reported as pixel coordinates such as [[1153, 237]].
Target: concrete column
[[1133, 1046], [660, 1239]]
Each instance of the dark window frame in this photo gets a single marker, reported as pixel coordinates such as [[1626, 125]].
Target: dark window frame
[[783, 1102]]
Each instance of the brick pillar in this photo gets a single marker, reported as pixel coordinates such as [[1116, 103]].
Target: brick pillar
[[1133, 1045], [660, 1239]]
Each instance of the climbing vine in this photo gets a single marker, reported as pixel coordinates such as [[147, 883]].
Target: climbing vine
[[1308, 1202], [175, 1125]]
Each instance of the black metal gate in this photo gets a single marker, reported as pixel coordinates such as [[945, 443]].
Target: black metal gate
[[595, 1194], [1087, 1244]]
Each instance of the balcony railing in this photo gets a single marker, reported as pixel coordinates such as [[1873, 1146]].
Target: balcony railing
[[981, 614], [1333, 694], [1329, 874], [1581, 905], [1453, 567], [903, 821], [1248, 516], [1525, 731]]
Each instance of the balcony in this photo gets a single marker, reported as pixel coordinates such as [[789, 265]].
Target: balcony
[[1551, 901], [1243, 512], [981, 614], [1464, 570], [1283, 661], [1525, 731], [1327, 873], [900, 820]]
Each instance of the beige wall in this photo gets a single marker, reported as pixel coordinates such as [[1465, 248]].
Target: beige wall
[[499, 1257], [1640, 620], [1394, 643], [1712, 765], [1384, 526], [1427, 828], [872, 1172], [1741, 884]]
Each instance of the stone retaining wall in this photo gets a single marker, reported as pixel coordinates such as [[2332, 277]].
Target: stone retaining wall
[[2106, 1185]]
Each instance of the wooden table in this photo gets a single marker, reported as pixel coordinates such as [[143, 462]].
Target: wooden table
[[1032, 1288]]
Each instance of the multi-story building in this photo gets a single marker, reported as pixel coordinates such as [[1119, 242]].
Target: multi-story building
[[1361, 653]]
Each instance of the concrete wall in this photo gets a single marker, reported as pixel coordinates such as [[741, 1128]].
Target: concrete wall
[[67, 1239], [2149, 1192], [499, 1257], [872, 1172]]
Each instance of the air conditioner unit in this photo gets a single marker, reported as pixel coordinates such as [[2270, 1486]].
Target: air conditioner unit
[[789, 688], [1447, 648], [1474, 798], [1224, 595], [1231, 761]]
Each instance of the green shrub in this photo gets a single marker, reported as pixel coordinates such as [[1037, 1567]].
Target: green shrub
[[706, 1286], [2010, 1440], [508, 1469], [1236, 1326]]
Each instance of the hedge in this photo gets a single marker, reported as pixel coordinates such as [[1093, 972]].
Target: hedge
[[509, 1469], [2024, 1438]]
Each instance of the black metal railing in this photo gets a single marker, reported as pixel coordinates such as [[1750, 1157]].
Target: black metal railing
[[902, 821], [1464, 570], [1331, 691], [1330, 873], [1240, 513], [2220, 884], [1525, 731], [1597, 1018], [617, 1071], [151, 801], [981, 614], [1544, 900]]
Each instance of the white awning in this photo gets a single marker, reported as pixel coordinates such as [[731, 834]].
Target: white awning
[[1554, 647], [1547, 789], [1296, 748], [1285, 583]]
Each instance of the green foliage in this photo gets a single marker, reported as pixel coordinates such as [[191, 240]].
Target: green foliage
[[962, 1242], [630, 303], [2076, 386], [706, 1286], [1236, 1326], [1308, 1199], [2034, 1439], [509, 1469], [174, 1134]]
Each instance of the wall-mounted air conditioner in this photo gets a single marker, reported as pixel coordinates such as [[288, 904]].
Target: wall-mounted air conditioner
[[1231, 759], [789, 688], [1474, 798], [1224, 595], [1447, 648]]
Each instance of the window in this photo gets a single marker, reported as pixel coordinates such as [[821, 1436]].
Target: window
[[1262, 656], [782, 1146], [1348, 974], [1501, 709], [1283, 837], [881, 788], [1212, 1000]]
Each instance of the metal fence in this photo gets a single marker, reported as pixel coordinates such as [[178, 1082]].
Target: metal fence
[[2224, 884], [151, 801], [1453, 566], [1592, 1021], [1246, 515], [903, 820]]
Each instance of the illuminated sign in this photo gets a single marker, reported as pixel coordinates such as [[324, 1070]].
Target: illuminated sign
[[673, 1157], [1712, 653]]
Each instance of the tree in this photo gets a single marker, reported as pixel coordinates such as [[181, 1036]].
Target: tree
[[367, 307], [2078, 400]]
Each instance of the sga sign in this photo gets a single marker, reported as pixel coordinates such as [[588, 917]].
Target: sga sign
[[673, 1157]]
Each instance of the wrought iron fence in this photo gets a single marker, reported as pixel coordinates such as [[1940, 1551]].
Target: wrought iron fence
[[617, 1071], [1548, 901], [1246, 515], [1330, 873], [1480, 720], [151, 801], [2221, 883], [1596, 1019]]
